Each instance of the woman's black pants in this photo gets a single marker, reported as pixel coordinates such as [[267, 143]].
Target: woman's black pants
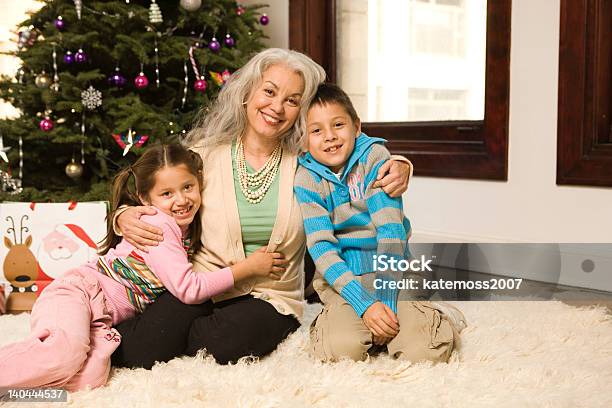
[[228, 330]]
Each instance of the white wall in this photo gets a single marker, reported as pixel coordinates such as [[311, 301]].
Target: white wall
[[278, 29]]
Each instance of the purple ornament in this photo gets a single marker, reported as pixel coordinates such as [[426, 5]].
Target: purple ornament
[[46, 124], [59, 23], [68, 58], [141, 81], [80, 56], [200, 85], [214, 45], [117, 79], [229, 41], [264, 20]]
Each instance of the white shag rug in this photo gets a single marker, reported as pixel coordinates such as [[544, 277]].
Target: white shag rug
[[513, 354]]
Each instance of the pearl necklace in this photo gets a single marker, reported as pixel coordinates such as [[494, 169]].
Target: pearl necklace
[[254, 186]]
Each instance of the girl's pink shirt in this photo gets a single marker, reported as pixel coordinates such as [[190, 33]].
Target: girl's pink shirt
[[168, 261]]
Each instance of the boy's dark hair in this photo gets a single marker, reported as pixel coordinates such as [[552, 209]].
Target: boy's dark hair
[[331, 93], [139, 179]]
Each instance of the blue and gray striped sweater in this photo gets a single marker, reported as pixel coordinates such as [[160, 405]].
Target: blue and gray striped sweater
[[347, 222]]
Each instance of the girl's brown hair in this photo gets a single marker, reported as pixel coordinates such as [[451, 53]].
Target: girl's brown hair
[[138, 180]]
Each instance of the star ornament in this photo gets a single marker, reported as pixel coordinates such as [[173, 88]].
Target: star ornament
[[91, 98], [220, 78], [3, 150], [126, 142]]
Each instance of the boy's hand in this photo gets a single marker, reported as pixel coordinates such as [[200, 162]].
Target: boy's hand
[[395, 183], [381, 321]]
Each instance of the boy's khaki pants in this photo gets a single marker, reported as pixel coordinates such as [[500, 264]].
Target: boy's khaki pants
[[425, 333]]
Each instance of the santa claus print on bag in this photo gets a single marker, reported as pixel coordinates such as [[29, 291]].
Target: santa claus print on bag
[[67, 246], [53, 238]]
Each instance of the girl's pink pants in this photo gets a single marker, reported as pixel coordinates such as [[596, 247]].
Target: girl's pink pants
[[71, 341]]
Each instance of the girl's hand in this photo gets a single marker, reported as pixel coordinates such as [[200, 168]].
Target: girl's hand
[[136, 232], [395, 183], [261, 263], [381, 321]]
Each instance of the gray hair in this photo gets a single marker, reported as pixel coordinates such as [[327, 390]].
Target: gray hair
[[226, 119]]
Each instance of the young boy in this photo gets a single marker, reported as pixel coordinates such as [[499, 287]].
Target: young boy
[[348, 222]]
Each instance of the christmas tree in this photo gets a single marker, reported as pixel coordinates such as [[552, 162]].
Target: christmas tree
[[101, 80]]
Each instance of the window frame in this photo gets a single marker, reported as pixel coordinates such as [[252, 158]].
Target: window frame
[[584, 124], [452, 149]]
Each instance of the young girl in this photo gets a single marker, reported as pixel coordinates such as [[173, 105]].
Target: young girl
[[72, 335]]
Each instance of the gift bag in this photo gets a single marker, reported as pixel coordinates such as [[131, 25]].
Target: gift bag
[[41, 241], [2, 300]]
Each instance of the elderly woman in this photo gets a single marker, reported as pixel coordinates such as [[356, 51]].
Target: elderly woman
[[249, 142]]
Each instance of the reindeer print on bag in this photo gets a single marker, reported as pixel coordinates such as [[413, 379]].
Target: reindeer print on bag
[[20, 268]]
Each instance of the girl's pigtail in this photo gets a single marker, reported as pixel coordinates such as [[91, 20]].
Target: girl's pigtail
[[121, 194]]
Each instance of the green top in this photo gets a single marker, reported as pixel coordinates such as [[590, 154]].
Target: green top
[[256, 220]]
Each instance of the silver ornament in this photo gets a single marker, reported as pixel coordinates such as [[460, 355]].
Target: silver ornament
[[42, 80], [24, 36], [8, 184], [191, 5], [74, 170], [78, 4], [55, 86], [155, 14]]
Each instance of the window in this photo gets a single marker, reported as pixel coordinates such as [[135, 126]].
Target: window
[[436, 126], [387, 49], [435, 104], [436, 28], [584, 139]]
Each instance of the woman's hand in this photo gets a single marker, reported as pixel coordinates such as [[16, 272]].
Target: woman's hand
[[381, 321], [136, 232], [393, 176], [261, 263]]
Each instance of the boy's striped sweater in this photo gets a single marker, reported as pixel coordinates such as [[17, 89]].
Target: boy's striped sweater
[[347, 222]]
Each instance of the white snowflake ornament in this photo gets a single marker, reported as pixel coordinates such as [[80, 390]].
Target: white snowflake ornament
[[91, 98]]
